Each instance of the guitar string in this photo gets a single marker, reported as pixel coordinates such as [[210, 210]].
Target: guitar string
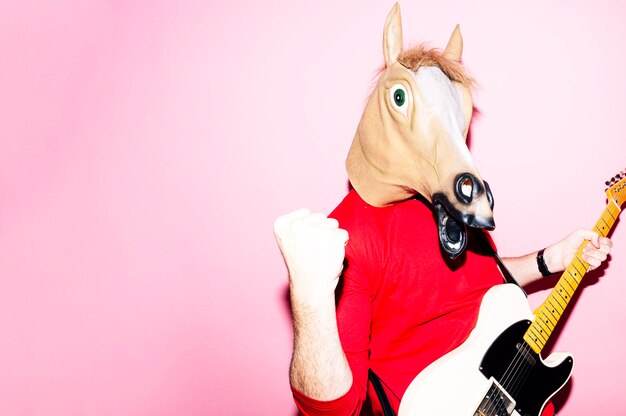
[[520, 375], [520, 378], [507, 386], [499, 404], [514, 376], [520, 368], [517, 360], [500, 407]]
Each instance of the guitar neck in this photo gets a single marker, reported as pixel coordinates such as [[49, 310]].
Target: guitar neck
[[548, 314]]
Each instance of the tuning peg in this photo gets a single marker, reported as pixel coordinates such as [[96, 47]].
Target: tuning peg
[[607, 183]]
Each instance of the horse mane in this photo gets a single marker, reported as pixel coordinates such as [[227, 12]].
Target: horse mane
[[420, 55]]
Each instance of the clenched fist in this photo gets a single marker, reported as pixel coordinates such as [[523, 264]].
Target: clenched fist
[[313, 247]]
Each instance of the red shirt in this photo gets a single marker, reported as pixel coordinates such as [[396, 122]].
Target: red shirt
[[400, 304]]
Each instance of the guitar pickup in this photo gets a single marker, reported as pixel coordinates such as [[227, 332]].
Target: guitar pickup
[[523, 349], [497, 402]]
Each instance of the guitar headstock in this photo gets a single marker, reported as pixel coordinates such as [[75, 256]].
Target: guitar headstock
[[616, 190]]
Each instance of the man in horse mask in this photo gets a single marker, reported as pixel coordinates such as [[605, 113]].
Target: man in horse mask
[[394, 278]]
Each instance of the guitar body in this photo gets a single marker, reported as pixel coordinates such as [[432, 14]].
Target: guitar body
[[493, 372]]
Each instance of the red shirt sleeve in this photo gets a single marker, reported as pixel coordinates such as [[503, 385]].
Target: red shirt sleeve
[[347, 404]]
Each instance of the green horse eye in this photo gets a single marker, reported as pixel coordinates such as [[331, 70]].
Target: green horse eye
[[399, 97]]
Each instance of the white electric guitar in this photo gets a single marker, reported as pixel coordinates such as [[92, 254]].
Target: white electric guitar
[[498, 370]]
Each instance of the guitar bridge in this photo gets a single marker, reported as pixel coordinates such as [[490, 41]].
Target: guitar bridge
[[496, 402]]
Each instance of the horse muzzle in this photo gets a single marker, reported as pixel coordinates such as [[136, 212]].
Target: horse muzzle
[[453, 219]]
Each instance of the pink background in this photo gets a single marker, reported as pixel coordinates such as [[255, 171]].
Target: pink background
[[147, 146]]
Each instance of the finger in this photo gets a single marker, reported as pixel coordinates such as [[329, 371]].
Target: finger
[[606, 244], [592, 265], [592, 236], [299, 213], [313, 218], [343, 235], [283, 222], [330, 223], [594, 255]]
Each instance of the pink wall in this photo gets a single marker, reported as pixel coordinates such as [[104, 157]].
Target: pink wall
[[147, 146]]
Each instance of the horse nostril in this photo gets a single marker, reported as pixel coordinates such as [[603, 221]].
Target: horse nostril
[[466, 188]]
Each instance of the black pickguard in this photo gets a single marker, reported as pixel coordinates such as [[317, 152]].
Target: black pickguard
[[533, 382]]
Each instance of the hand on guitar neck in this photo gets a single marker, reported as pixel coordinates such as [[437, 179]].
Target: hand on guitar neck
[[559, 255]]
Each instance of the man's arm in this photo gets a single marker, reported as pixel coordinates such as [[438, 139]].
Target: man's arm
[[313, 248], [559, 255]]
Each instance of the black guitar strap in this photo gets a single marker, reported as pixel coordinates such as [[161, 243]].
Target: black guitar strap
[[380, 392], [506, 273]]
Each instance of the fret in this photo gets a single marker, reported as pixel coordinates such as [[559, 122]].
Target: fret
[[532, 339], [566, 287], [559, 300], [567, 278], [555, 309], [543, 326], [531, 343], [604, 220], [610, 214], [568, 275], [613, 209], [579, 264], [537, 330], [547, 317], [603, 230], [576, 271]]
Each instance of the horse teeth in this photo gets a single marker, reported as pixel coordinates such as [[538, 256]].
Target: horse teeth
[[455, 246]]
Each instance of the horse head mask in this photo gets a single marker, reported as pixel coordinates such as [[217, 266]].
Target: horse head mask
[[412, 138]]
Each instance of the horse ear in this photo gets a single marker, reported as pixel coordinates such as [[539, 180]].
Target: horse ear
[[392, 36], [454, 49]]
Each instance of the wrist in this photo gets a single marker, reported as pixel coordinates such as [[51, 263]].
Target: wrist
[[308, 304], [551, 260], [541, 264]]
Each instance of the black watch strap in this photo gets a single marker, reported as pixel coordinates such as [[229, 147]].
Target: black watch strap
[[541, 264]]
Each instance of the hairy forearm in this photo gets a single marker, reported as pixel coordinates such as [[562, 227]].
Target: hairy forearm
[[313, 247], [525, 269], [319, 367]]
